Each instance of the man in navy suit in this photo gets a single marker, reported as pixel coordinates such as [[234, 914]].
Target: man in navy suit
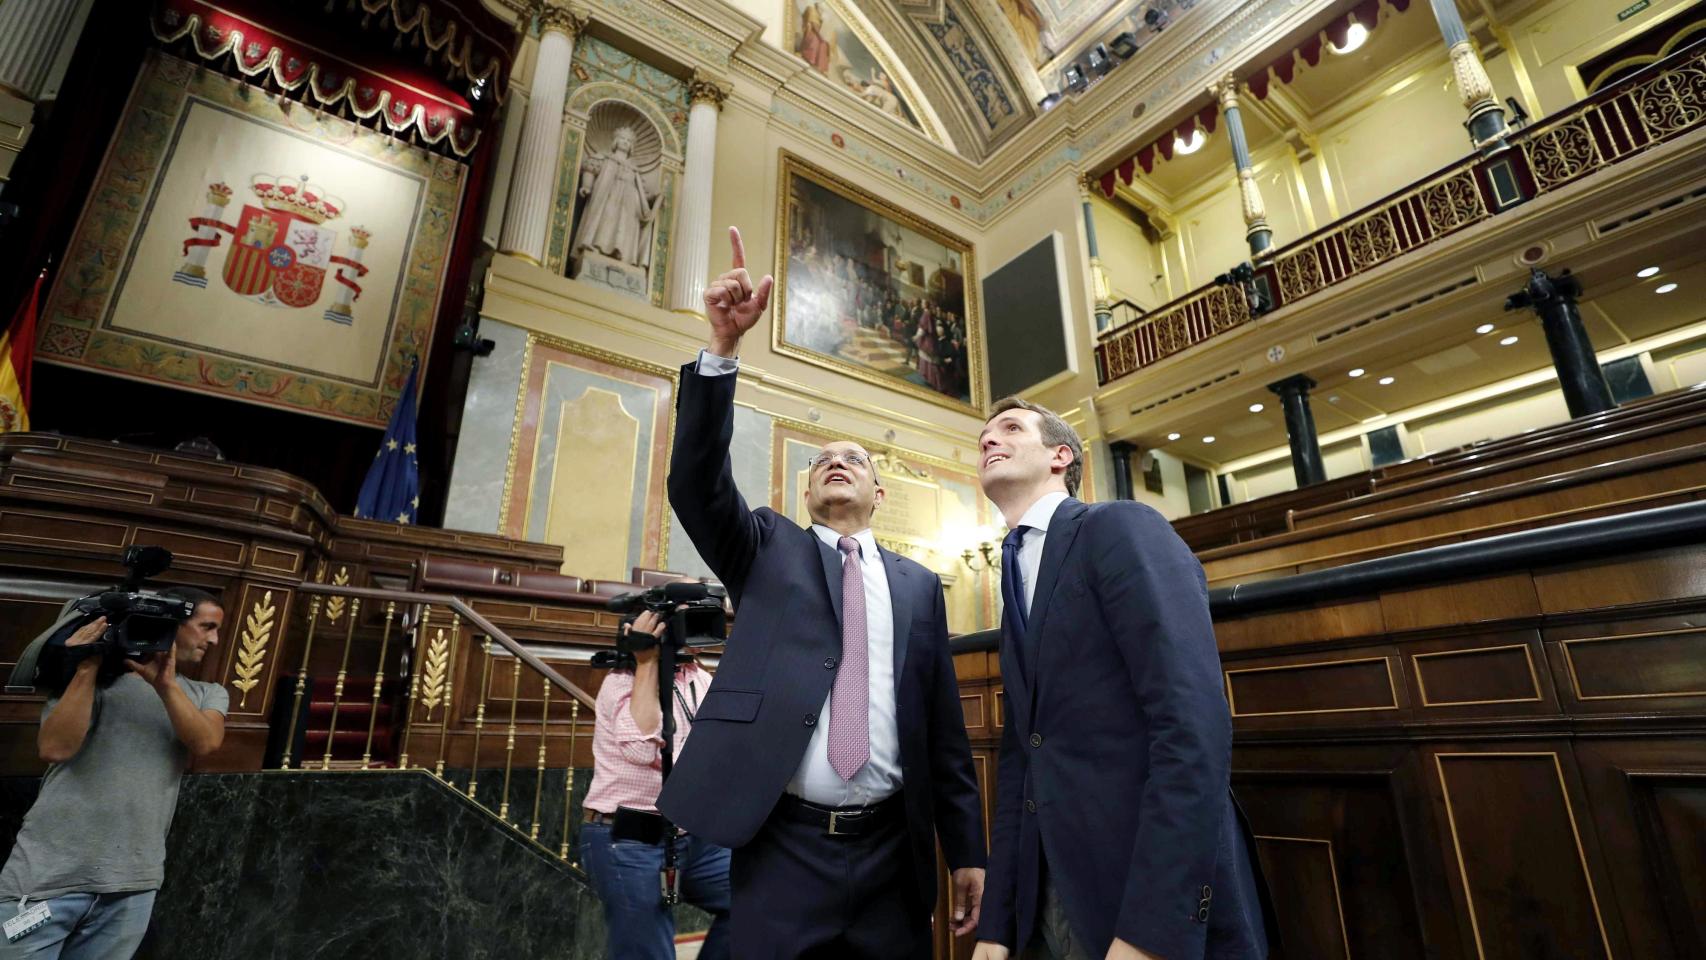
[[1115, 832], [830, 753]]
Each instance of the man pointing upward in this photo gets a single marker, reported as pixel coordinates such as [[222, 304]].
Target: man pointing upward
[[830, 753]]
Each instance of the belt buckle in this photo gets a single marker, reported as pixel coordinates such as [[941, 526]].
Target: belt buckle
[[835, 818]]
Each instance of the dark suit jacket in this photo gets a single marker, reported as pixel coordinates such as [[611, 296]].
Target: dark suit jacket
[[1116, 751], [751, 732]]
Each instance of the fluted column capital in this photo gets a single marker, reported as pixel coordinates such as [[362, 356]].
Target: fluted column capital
[[708, 88], [1225, 91], [557, 18]]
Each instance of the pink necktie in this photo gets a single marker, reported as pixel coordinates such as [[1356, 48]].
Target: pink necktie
[[849, 704]]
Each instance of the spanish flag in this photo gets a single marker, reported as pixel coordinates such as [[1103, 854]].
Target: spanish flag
[[17, 349]]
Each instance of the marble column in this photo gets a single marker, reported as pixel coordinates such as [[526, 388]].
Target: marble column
[[1256, 229], [1579, 373], [31, 35], [1098, 274], [1123, 451], [1306, 463], [532, 190], [691, 256], [1486, 123]]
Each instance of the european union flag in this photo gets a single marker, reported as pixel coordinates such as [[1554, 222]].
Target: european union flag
[[392, 488]]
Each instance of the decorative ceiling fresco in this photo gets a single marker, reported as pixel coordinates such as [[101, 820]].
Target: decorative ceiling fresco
[[833, 44]]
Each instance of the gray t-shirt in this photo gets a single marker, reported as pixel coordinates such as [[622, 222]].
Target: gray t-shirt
[[100, 823]]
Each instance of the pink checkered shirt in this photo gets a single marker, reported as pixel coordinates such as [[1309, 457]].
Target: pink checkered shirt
[[627, 762]]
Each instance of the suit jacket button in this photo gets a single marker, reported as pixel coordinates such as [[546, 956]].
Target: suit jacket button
[[1030, 806], [1207, 894], [1036, 739], [1202, 915], [811, 719], [829, 663]]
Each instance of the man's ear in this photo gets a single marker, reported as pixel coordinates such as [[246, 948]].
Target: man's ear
[[881, 494], [1062, 458]]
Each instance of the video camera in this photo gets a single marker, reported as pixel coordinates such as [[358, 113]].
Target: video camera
[[693, 612], [140, 623]]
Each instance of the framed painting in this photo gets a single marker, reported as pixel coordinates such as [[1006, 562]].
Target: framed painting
[[867, 289]]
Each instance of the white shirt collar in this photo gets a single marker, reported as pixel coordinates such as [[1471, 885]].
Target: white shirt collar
[[867, 541], [1041, 512]]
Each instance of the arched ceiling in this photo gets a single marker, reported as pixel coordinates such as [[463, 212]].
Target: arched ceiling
[[983, 67]]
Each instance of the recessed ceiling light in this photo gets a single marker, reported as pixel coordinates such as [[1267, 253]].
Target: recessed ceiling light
[[1333, 399], [1507, 341], [1209, 439], [1356, 372], [1664, 288], [1355, 37], [1484, 328], [1172, 436], [1646, 272], [1384, 381], [1256, 408]]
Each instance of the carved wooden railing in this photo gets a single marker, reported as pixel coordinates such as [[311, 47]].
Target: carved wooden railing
[[1654, 106]]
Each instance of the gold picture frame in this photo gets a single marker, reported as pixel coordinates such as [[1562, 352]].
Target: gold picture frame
[[879, 336]]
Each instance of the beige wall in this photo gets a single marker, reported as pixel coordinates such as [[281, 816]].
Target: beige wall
[[1131, 261]]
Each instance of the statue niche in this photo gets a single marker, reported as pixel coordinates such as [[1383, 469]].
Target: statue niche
[[617, 196]]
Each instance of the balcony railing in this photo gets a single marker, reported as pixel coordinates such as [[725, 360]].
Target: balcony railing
[[1654, 106]]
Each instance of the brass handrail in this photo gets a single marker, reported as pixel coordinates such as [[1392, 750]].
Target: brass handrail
[[434, 639]]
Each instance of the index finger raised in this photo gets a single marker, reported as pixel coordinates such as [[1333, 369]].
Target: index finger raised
[[739, 248]]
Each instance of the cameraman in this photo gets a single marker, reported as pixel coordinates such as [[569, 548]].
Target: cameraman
[[621, 842], [91, 854]]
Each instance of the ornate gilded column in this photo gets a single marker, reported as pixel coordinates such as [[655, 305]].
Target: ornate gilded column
[[691, 256], [1486, 123], [31, 35], [532, 190], [1256, 229], [1098, 275]]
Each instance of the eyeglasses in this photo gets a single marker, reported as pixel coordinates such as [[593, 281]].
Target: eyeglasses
[[850, 459]]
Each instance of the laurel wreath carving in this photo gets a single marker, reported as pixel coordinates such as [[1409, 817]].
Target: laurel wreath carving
[[335, 605], [252, 649], [435, 671]]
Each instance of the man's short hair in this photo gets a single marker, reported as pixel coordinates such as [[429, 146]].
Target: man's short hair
[[195, 595], [1055, 432]]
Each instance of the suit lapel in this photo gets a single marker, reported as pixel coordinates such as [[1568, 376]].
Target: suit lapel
[[831, 571], [900, 585], [1062, 530]]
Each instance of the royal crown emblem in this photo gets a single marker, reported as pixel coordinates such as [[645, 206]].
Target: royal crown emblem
[[281, 249]]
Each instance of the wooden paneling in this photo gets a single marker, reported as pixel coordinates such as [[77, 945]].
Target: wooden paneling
[[1637, 666], [1519, 853], [1350, 684], [1642, 578], [1492, 598], [1497, 678], [1357, 618], [1304, 877]]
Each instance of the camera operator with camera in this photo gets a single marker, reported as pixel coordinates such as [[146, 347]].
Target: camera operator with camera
[[625, 842], [119, 734]]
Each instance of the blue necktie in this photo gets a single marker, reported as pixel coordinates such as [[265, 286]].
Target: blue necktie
[[1013, 578]]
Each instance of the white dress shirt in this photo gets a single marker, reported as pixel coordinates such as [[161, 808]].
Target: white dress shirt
[[815, 780], [1031, 549]]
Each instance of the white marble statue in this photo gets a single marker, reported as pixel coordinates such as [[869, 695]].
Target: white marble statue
[[617, 219]]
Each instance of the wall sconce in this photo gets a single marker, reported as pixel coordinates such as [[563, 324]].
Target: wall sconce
[[986, 550]]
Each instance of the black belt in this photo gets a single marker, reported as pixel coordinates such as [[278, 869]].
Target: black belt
[[840, 821]]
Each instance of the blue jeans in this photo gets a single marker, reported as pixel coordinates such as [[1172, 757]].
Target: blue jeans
[[624, 874], [85, 926]]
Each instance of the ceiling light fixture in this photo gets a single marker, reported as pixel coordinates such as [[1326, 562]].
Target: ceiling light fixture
[[1484, 328], [1646, 272], [1507, 341], [1386, 381], [1664, 288], [1181, 146], [1208, 439], [1355, 37], [1256, 408], [1357, 371], [1172, 436]]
